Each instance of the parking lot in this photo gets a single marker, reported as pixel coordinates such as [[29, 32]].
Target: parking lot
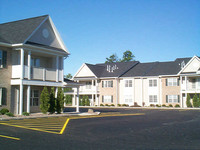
[[113, 129]]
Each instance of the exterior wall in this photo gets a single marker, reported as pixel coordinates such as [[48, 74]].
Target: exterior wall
[[193, 66], [108, 91], [169, 90], [5, 76], [85, 72]]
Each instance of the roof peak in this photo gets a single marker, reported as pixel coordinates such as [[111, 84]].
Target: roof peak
[[24, 19]]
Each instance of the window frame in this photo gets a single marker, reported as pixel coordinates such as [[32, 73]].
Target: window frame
[[172, 82], [107, 84], [33, 98], [128, 98], [153, 99], [172, 99], [107, 98], [153, 83], [128, 83], [88, 85]]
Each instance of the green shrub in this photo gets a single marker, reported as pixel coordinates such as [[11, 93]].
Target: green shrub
[[52, 101], [60, 100], [87, 101], [106, 105], [95, 105], [101, 104], [9, 114], [163, 105], [44, 100], [188, 103], [157, 105], [195, 100], [112, 105], [177, 105], [4, 111], [152, 105], [170, 105], [25, 114], [119, 105], [125, 105]]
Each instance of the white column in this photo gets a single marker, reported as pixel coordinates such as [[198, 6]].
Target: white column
[[77, 100], [57, 71], [92, 84], [28, 98], [17, 111], [62, 69], [21, 99], [74, 99], [141, 91], [186, 83], [117, 86], [22, 63], [29, 65], [92, 104], [96, 84]]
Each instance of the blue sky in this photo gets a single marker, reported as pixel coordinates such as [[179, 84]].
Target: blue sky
[[154, 30]]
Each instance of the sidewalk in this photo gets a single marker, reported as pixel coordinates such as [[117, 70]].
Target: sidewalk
[[41, 115]]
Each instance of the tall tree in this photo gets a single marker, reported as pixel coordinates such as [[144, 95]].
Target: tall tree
[[52, 101], [127, 56], [195, 100], [188, 102], [112, 58], [44, 100], [68, 76], [59, 100]]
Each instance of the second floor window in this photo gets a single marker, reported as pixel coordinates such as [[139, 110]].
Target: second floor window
[[107, 83], [88, 85], [172, 82], [153, 99], [153, 83], [3, 57], [128, 83]]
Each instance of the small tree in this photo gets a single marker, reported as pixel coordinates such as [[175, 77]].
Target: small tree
[[195, 100], [87, 101], [188, 103], [44, 100], [112, 58], [60, 100], [52, 101], [83, 100]]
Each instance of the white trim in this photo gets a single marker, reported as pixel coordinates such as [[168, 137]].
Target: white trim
[[57, 35], [35, 30], [0, 96], [189, 63], [28, 98], [81, 69]]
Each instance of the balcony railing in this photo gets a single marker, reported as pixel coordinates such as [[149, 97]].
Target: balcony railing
[[37, 73]]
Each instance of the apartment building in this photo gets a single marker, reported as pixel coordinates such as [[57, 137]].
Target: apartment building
[[31, 57], [143, 84]]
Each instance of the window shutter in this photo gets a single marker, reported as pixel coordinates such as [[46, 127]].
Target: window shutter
[[178, 81], [112, 99], [4, 59], [166, 98], [178, 98], [102, 84], [102, 99], [4, 95], [166, 82], [111, 83]]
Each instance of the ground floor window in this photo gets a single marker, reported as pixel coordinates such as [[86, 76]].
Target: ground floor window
[[172, 98], [107, 99], [128, 99], [34, 98], [2, 96], [153, 98]]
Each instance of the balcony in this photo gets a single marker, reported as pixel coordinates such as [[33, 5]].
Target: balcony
[[191, 84], [37, 73]]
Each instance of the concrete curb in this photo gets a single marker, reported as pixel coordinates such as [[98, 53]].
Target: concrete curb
[[49, 116]]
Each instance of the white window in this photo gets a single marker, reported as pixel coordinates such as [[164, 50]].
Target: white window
[[107, 83], [153, 99], [34, 98], [128, 99], [172, 82], [0, 96], [107, 99], [128, 83], [172, 99], [88, 85], [153, 83], [1, 58]]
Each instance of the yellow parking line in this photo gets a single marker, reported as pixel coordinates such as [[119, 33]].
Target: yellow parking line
[[9, 137], [63, 129]]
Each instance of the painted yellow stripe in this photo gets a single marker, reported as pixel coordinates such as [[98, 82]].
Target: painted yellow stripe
[[63, 129], [29, 128], [9, 137]]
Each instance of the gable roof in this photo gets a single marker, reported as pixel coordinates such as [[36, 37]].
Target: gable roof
[[18, 31], [156, 68], [100, 70]]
